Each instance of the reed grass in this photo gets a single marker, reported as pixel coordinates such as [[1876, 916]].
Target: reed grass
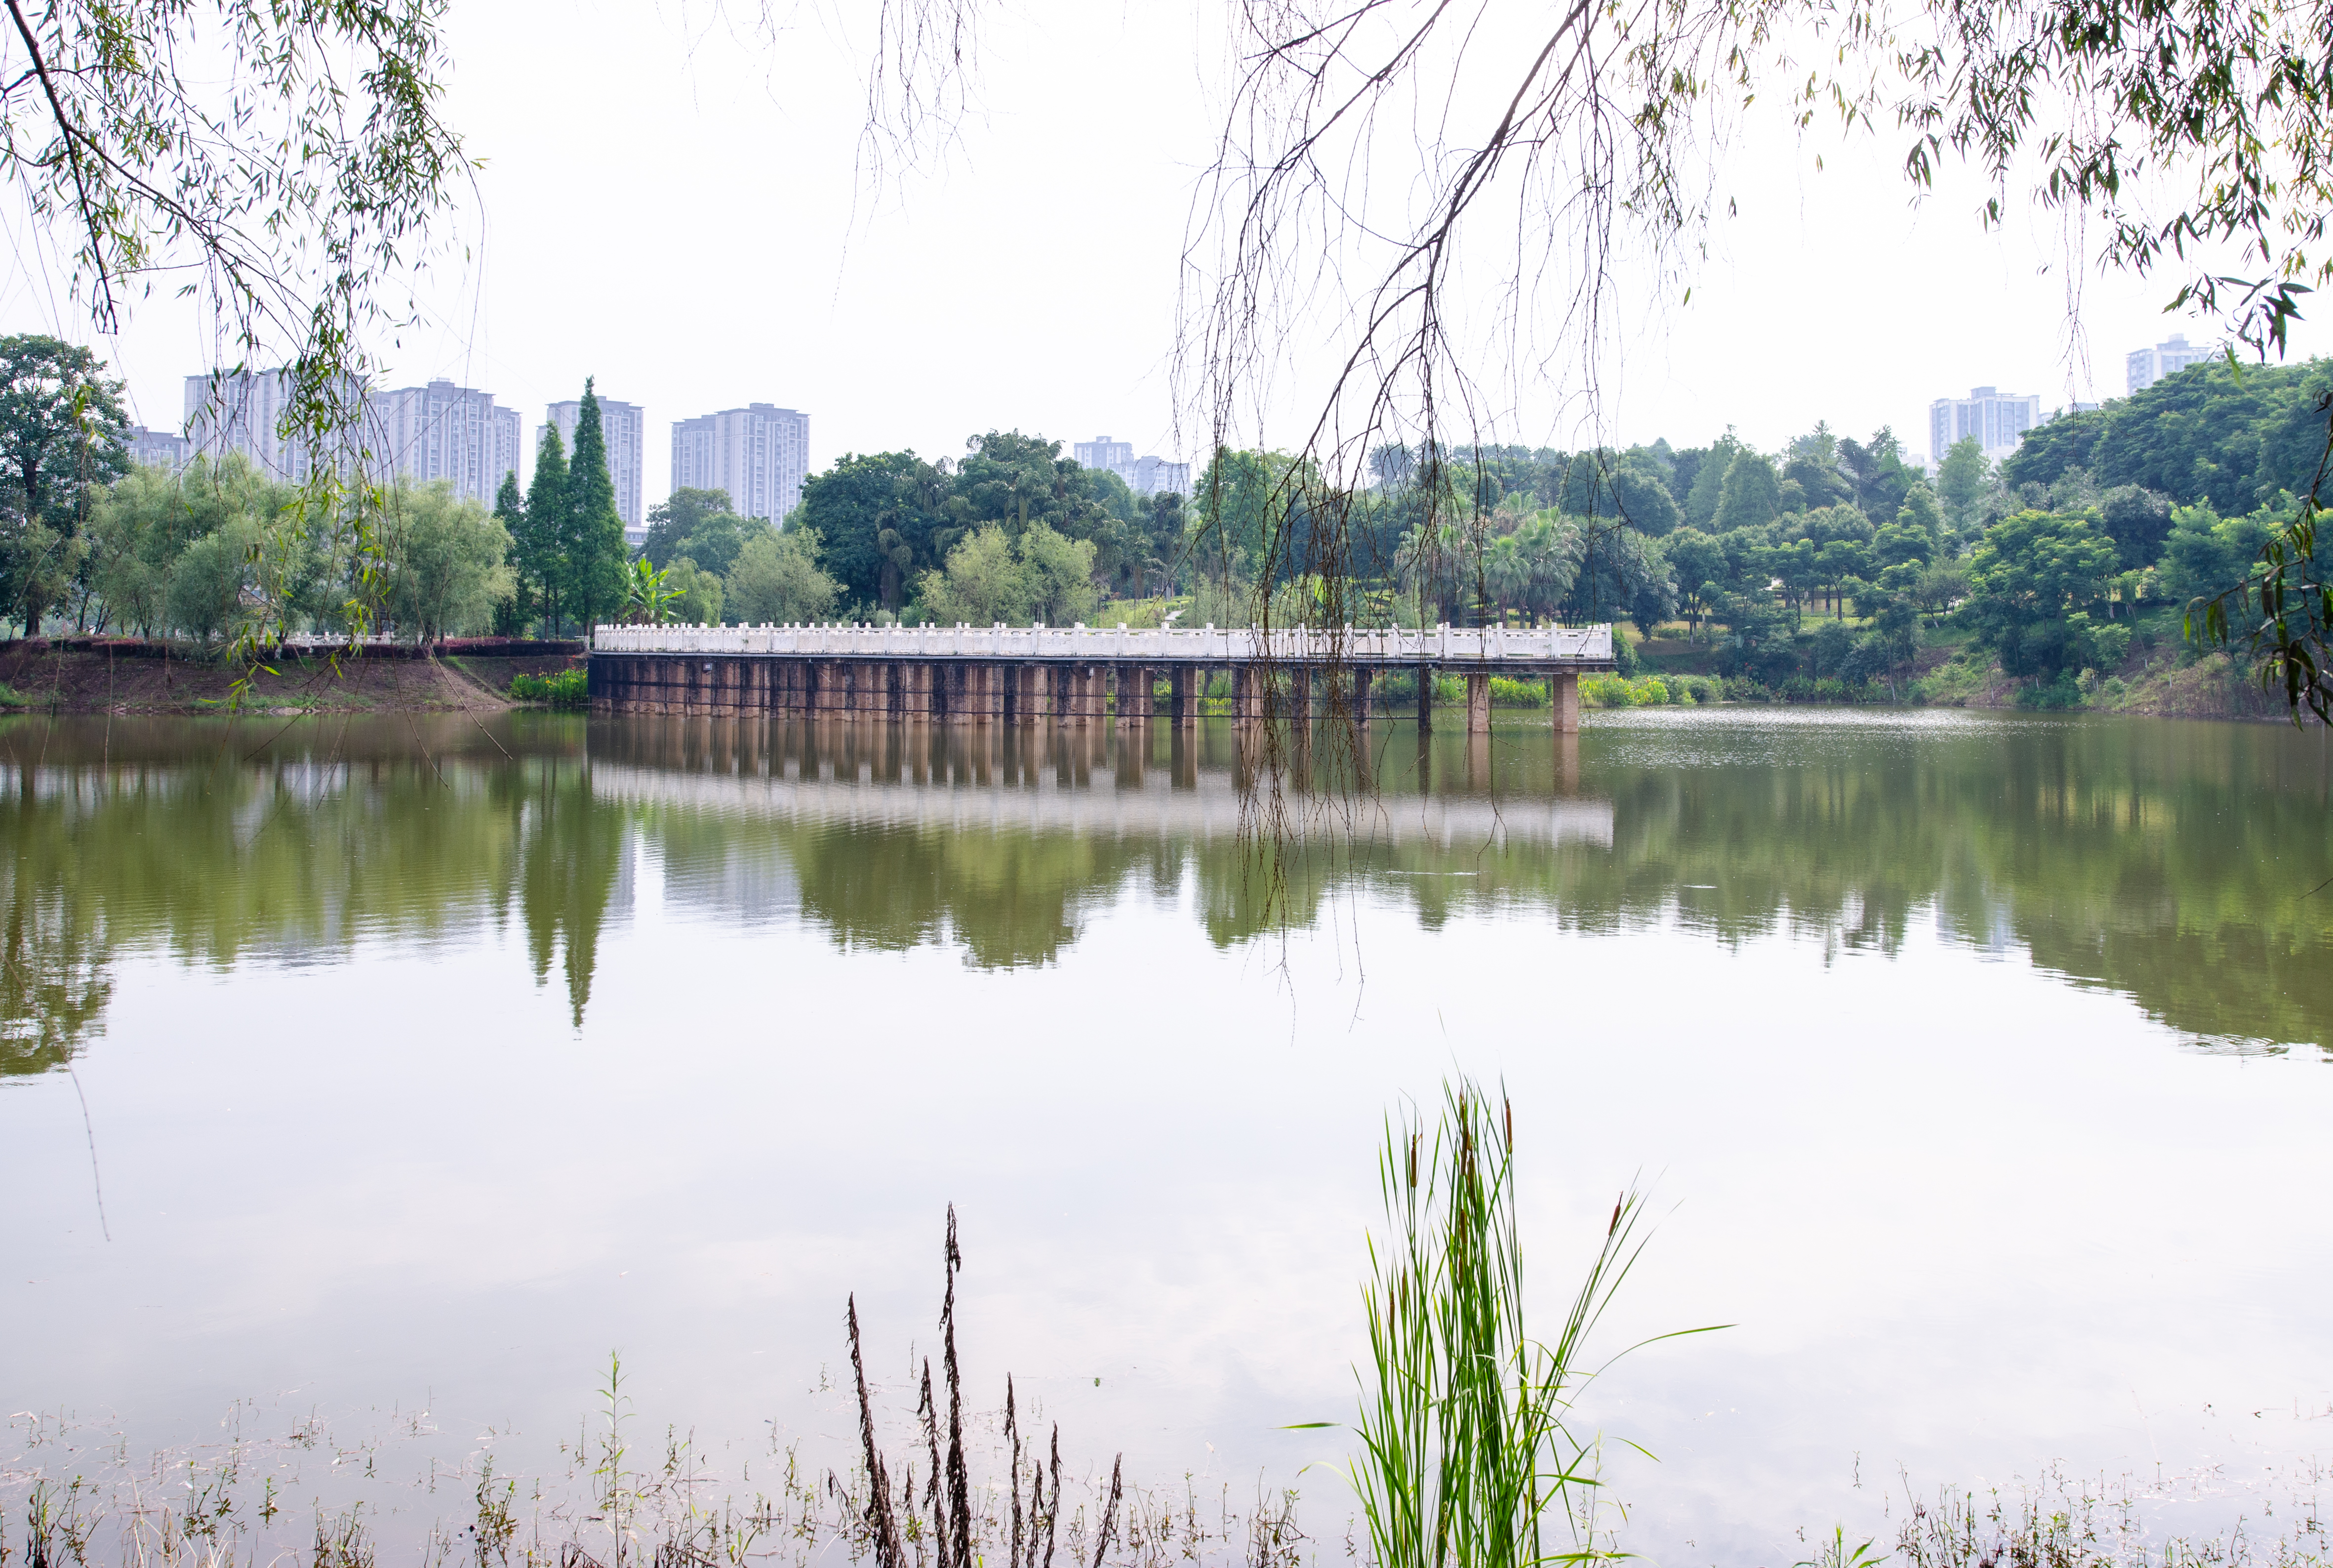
[[1468, 1459]]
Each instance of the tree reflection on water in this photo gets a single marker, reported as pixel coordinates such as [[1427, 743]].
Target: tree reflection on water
[[2170, 861]]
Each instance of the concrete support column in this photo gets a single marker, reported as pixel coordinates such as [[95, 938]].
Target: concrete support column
[[1478, 702], [1036, 693], [1182, 712], [1362, 676], [1247, 693], [1299, 694], [825, 689], [1080, 681], [1563, 690], [915, 692], [1133, 694], [1424, 696]]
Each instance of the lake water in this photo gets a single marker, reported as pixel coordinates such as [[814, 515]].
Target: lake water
[[388, 1074]]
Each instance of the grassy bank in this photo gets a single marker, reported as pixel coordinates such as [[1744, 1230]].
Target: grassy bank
[[43, 676]]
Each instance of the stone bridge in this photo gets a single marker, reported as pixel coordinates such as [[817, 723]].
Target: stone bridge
[[1077, 675]]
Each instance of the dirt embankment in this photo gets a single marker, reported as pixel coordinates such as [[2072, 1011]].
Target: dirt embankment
[[126, 676]]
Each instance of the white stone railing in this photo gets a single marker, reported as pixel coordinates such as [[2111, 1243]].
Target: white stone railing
[[1102, 645]]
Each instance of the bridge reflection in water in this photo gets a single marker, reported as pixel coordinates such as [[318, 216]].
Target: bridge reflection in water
[[1213, 781]]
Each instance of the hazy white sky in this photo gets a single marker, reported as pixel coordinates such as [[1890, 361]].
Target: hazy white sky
[[671, 202]]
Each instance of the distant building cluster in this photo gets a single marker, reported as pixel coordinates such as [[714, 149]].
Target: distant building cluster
[[759, 454], [1143, 475], [427, 433], [2145, 367]]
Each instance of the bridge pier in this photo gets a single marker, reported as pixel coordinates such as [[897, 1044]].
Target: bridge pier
[[1133, 695], [1361, 694], [1425, 697], [1300, 695], [1478, 703], [1181, 710], [1247, 694], [1563, 693]]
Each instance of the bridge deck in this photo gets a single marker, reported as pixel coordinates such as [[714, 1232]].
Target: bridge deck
[[1536, 649]]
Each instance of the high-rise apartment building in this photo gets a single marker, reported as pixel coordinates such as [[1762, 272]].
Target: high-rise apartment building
[[624, 428], [1143, 475], [1102, 452], [759, 454], [1997, 419], [158, 448], [440, 431], [1156, 476], [2145, 367], [239, 411]]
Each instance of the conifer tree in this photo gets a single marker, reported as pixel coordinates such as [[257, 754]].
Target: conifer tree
[[595, 537], [511, 615], [540, 552]]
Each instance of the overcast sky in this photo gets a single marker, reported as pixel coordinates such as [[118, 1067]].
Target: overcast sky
[[671, 202]]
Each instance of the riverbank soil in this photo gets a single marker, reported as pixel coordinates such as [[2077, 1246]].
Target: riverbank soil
[[45, 676]]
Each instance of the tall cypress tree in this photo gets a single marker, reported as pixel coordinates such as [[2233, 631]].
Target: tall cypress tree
[[595, 540], [541, 554], [510, 510]]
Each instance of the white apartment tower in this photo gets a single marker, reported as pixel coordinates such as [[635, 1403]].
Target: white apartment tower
[[1102, 452], [758, 454], [2147, 366], [440, 431], [1997, 419], [624, 428], [239, 411]]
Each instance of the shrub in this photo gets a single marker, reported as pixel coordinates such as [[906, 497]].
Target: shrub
[[1506, 692], [1606, 691], [564, 690]]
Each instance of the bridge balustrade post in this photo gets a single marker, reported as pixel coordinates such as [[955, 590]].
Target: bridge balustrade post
[[1478, 702]]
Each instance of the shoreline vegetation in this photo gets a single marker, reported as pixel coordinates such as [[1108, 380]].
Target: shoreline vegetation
[[1468, 1457]]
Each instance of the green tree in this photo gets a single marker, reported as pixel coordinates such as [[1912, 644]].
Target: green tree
[[776, 579], [62, 434], [674, 521], [982, 584], [882, 516], [594, 543], [510, 511], [448, 563], [2031, 572], [1960, 481], [1698, 563], [208, 581], [696, 593], [540, 546], [1709, 482], [1752, 493]]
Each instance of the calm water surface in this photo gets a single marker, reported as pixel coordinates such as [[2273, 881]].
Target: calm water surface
[[1976, 1065]]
